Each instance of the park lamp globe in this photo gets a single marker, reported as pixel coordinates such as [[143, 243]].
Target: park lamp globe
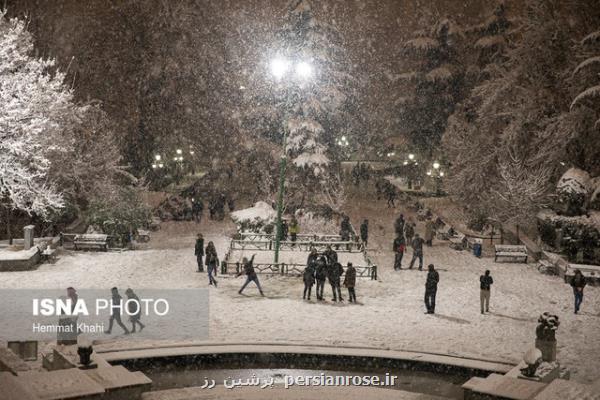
[[436, 165], [411, 156], [304, 70], [279, 67]]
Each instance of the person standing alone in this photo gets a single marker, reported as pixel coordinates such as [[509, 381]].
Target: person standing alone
[[212, 261], [417, 247], [364, 232], [199, 251], [350, 282], [578, 282], [431, 288], [486, 282]]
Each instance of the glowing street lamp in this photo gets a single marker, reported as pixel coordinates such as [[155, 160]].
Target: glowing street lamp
[[304, 69], [411, 156], [436, 165], [279, 67], [153, 166], [157, 157], [178, 151]]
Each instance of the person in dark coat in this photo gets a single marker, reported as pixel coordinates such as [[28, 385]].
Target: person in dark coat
[[399, 225], [199, 251], [115, 315], [331, 255], [231, 204], [294, 229], [212, 262], [250, 274], [345, 228], [334, 274], [485, 281], [284, 230], [134, 309], [417, 247], [197, 209], [409, 231], [390, 192], [364, 232], [399, 248], [350, 282], [311, 261], [309, 279], [321, 276], [431, 288], [578, 283]]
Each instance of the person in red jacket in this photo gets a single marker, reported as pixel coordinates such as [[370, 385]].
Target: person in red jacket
[[399, 248]]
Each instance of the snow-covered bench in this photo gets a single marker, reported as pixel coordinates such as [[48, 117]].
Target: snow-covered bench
[[91, 241], [591, 272], [510, 251]]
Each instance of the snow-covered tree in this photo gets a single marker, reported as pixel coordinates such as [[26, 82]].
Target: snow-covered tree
[[433, 82], [313, 103], [35, 105], [513, 137]]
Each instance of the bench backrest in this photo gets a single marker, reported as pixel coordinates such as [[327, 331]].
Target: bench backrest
[[510, 248]]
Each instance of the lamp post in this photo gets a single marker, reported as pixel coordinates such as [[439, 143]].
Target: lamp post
[[279, 68]]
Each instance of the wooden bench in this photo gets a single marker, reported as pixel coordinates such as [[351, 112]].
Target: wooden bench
[[510, 251], [91, 241], [591, 272]]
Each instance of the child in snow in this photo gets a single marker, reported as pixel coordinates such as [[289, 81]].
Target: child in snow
[[250, 274]]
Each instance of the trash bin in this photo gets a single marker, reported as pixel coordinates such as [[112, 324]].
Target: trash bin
[[477, 246]]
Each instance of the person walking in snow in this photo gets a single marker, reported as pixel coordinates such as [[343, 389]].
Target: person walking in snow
[[485, 281], [399, 225], [417, 248], [134, 309], [390, 192], [199, 251], [350, 282], [399, 247], [309, 280], [431, 283], [345, 228], [321, 276], [364, 232], [578, 283], [429, 232], [197, 209], [212, 262], [334, 274], [115, 311], [250, 274]]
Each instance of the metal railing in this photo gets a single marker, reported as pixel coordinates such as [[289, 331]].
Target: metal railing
[[234, 268]]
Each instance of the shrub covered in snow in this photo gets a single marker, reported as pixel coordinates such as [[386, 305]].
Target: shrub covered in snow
[[254, 219], [572, 191]]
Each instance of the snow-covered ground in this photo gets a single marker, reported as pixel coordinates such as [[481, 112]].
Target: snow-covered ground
[[390, 313]]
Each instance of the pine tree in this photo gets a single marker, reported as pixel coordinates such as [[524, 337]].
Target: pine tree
[[433, 83], [316, 110]]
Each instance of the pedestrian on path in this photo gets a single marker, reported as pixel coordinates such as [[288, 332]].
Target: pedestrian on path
[[429, 232], [409, 231], [199, 251], [417, 247], [364, 232], [115, 311], [578, 283], [294, 229], [250, 274], [485, 284], [350, 282], [399, 247], [212, 262], [134, 309], [431, 283]]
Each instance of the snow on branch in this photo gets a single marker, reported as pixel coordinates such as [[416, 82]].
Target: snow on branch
[[588, 94], [590, 61], [591, 38]]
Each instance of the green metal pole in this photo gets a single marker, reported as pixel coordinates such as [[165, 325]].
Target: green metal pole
[[282, 166]]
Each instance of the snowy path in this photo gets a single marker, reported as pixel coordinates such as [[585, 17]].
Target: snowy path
[[390, 316]]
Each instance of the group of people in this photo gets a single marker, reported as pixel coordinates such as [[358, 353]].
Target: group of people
[[323, 267], [290, 230], [361, 171], [405, 233], [209, 256]]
